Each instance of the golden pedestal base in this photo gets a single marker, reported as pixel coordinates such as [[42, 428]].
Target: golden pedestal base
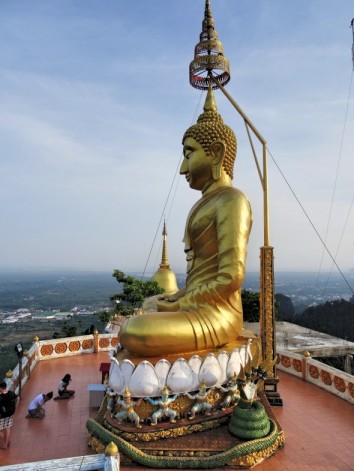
[[208, 445], [203, 442]]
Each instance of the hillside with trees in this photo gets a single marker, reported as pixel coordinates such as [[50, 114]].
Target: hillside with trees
[[334, 318]]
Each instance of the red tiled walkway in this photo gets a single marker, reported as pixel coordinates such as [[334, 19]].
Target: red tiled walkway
[[319, 427], [62, 432]]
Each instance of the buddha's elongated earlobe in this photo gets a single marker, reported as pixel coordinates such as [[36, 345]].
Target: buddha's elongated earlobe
[[216, 171], [217, 150]]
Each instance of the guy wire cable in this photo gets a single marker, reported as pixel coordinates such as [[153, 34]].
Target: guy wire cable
[[313, 226], [335, 180], [339, 244], [169, 194], [338, 162]]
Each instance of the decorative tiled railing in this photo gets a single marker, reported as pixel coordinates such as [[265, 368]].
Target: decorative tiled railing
[[57, 348], [304, 367], [335, 381]]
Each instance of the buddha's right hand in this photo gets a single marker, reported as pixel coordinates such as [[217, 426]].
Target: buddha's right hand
[[163, 297], [168, 306], [150, 304], [156, 303], [173, 297]]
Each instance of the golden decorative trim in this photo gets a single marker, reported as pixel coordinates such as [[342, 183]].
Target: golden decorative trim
[[171, 432], [95, 444], [255, 458], [267, 308], [95, 342]]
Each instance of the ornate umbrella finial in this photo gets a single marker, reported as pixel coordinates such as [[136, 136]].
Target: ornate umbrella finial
[[208, 56]]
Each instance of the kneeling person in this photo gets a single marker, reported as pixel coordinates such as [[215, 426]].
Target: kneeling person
[[35, 407], [63, 391]]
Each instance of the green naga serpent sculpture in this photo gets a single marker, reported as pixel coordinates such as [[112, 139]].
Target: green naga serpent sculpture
[[167, 462]]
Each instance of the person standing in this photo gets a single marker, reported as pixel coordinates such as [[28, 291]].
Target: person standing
[[8, 400], [36, 406]]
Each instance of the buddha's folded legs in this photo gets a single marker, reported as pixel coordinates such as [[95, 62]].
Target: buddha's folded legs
[[157, 333]]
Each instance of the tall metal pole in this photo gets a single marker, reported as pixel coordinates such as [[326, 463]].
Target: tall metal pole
[[267, 295], [210, 66]]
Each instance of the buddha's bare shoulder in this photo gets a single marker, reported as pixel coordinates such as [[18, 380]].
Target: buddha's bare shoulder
[[231, 193]]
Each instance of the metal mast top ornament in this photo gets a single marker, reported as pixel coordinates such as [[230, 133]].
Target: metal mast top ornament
[[211, 69], [208, 56]]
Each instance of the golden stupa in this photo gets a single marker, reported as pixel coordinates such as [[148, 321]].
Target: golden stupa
[[164, 276]]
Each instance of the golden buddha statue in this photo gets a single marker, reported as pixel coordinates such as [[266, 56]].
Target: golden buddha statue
[[207, 313]]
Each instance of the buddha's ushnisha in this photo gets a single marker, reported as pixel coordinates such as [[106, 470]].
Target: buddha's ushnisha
[[207, 313]]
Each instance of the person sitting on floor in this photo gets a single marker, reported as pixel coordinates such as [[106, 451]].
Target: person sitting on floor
[[63, 391], [35, 407]]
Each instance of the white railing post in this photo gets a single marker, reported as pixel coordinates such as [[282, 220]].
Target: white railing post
[[112, 460]]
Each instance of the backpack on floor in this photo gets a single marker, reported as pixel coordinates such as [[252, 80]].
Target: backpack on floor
[[7, 404]]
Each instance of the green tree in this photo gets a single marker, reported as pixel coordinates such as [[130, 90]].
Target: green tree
[[105, 316], [67, 330], [250, 305], [133, 293]]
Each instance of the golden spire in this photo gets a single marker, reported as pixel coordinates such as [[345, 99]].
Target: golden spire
[[164, 275], [164, 260], [208, 56]]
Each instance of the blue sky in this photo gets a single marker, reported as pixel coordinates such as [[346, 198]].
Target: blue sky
[[95, 98]]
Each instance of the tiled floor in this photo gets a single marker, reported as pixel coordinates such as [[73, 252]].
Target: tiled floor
[[62, 432], [319, 427]]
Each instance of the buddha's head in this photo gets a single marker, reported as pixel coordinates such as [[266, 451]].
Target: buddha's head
[[213, 137]]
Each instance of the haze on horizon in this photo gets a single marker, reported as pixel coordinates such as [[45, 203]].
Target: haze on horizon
[[96, 98]]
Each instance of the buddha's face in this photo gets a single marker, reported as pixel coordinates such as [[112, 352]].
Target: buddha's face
[[196, 165]]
